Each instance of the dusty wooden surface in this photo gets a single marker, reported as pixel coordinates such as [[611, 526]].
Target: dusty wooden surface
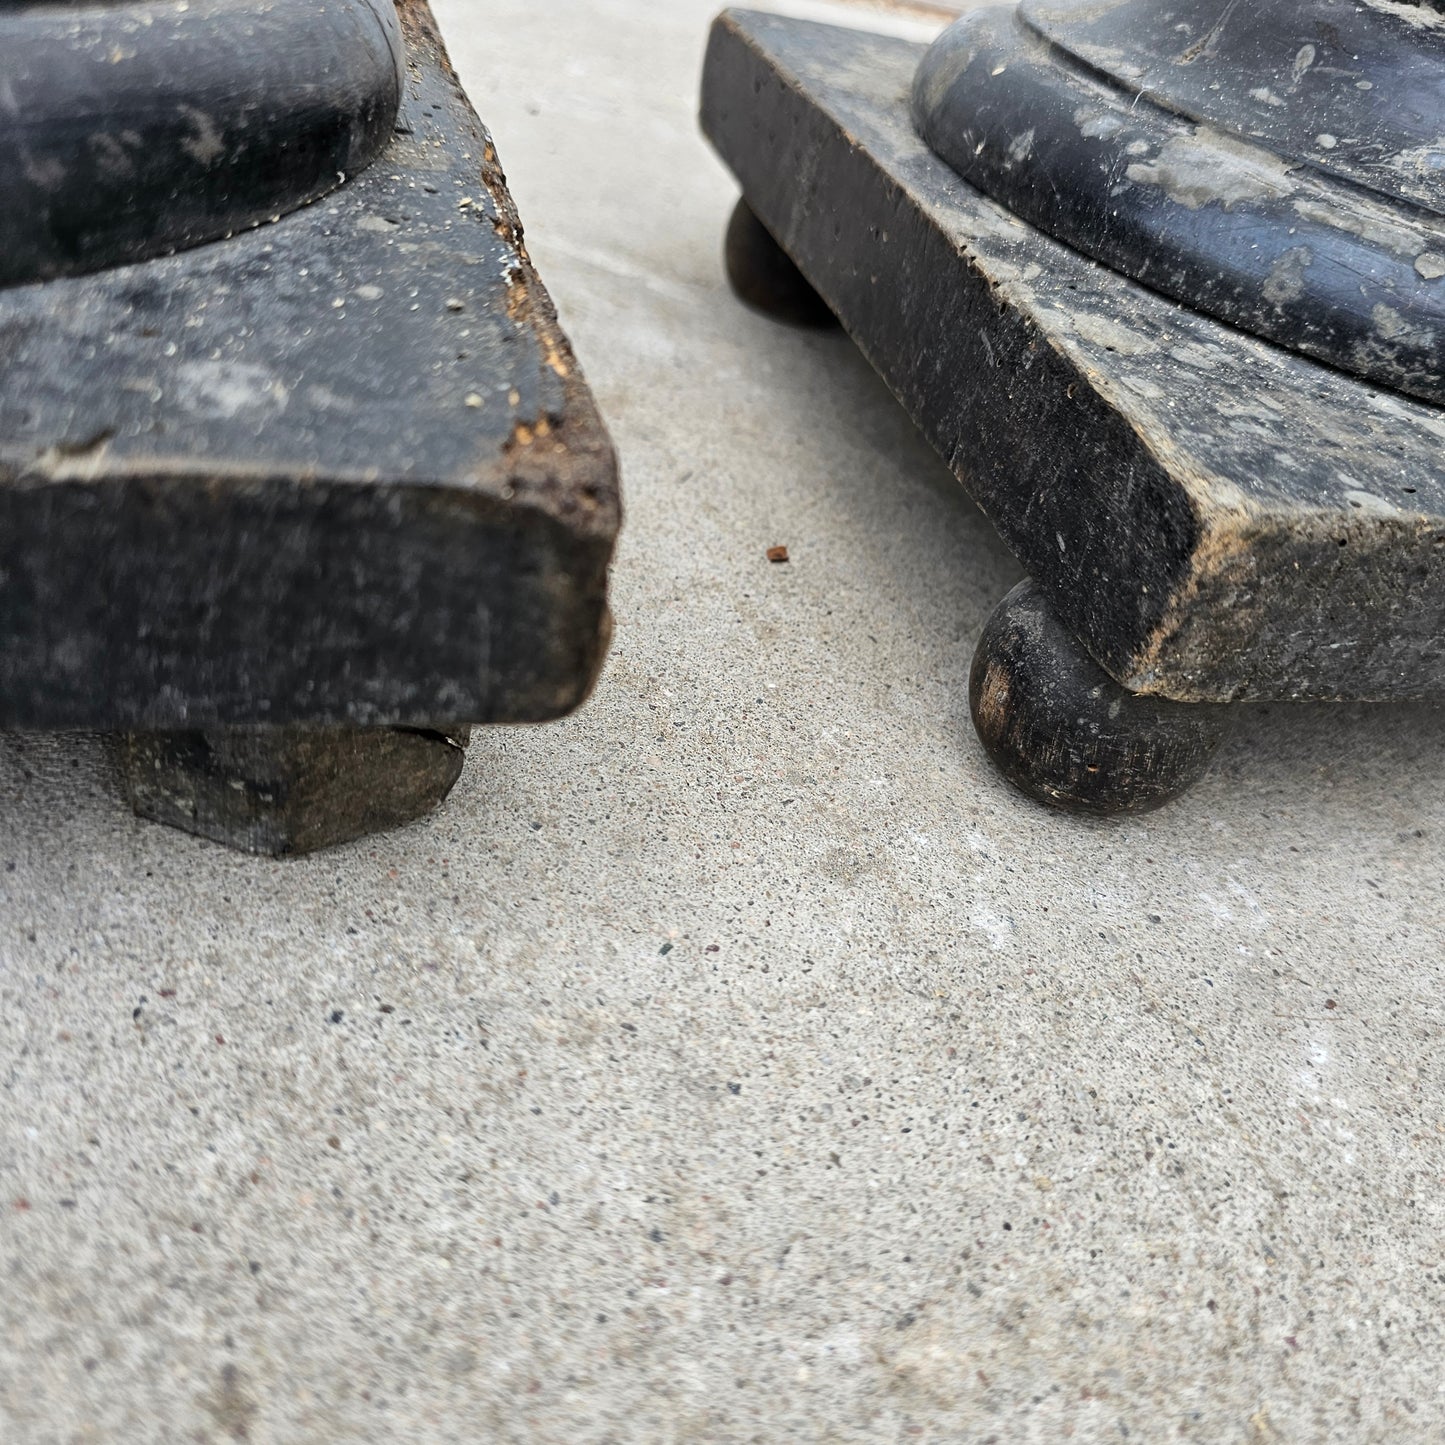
[[1213, 517], [340, 469]]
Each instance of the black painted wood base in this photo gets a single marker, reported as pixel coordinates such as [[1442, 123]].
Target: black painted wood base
[[1206, 517], [340, 471], [1213, 517]]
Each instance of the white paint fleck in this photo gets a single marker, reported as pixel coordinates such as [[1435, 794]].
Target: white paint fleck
[[1112, 335], [1369, 222], [1097, 125], [1389, 324], [1209, 168], [227, 388], [204, 145], [1302, 62], [1411, 12], [1426, 162], [1022, 147], [1286, 280], [1369, 502]]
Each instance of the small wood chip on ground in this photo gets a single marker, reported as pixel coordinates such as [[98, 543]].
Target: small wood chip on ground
[[777, 554]]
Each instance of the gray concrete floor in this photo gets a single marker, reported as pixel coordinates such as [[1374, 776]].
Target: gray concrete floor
[[739, 1060]]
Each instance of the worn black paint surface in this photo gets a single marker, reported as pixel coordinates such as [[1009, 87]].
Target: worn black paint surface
[[1212, 516], [1278, 242], [1060, 729], [135, 127], [1374, 68], [339, 469], [1201, 211]]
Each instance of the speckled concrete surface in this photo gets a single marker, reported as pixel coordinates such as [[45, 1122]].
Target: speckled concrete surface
[[740, 1060]]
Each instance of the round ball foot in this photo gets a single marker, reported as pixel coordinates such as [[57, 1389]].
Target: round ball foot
[[1059, 728], [764, 276], [286, 790]]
